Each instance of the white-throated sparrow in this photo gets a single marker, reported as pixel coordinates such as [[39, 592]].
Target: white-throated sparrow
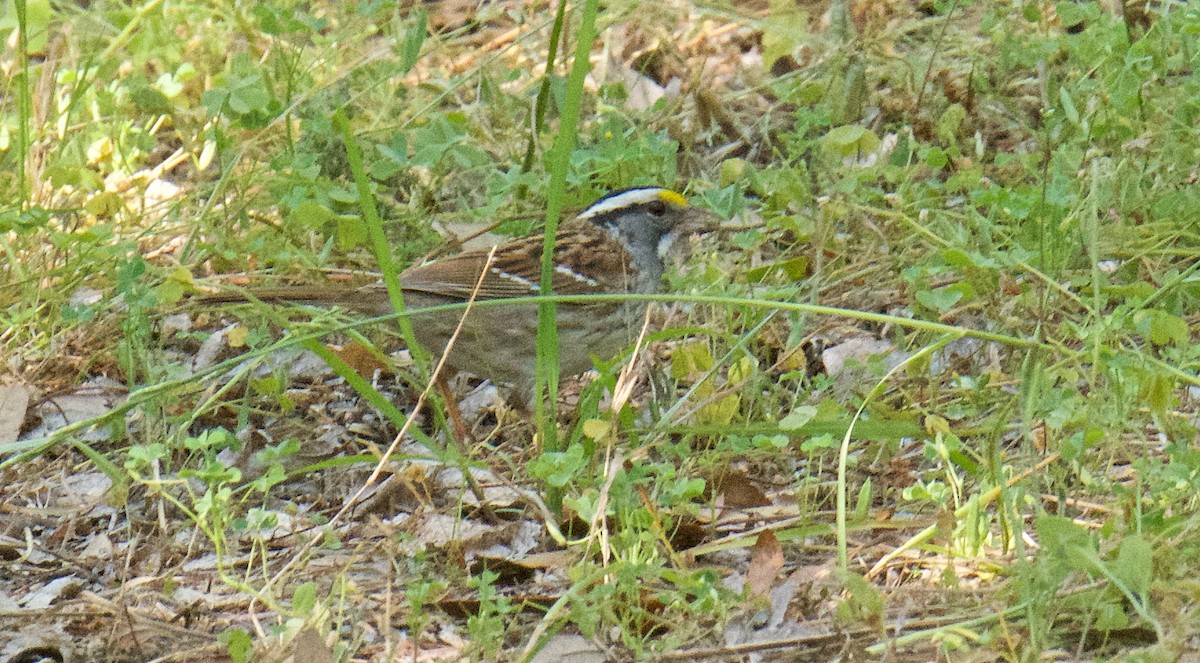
[[616, 245]]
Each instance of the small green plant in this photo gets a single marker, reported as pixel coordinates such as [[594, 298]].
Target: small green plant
[[420, 592], [489, 625]]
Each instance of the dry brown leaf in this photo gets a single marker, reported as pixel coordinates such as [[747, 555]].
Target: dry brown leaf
[[311, 648], [766, 559], [688, 533], [569, 648], [440, 530], [47, 594], [211, 348], [36, 642], [857, 349], [740, 492], [357, 356], [14, 403], [88, 401]]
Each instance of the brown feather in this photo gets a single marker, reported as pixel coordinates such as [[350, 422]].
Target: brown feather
[[516, 272]]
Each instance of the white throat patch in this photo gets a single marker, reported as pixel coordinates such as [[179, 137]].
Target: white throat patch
[[665, 242]]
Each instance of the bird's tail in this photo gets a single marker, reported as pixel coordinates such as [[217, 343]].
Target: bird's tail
[[367, 298]]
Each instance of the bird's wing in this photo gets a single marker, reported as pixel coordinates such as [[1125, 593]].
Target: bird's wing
[[515, 270]]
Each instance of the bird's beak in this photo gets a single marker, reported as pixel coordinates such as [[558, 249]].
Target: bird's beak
[[696, 221]]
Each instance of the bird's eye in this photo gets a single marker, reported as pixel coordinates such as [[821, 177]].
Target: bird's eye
[[657, 208]]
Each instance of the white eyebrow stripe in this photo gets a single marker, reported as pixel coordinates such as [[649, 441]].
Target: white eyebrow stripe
[[567, 271], [516, 278], [621, 200]]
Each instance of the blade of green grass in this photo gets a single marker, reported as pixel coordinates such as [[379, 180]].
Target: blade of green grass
[[379, 243], [24, 99], [559, 159]]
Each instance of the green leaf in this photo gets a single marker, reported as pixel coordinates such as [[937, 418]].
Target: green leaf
[[950, 123], [720, 413], [1133, 293], [341, 194], [304, 600], [178, 282], [741, 369], [558, 468], [274, 475], [1075, 13], [941, 299], [169, 86], [104, 205], [239, 645], [169, 292], [797, 418], [1111, 616], [1058, 535], [146, 454], [792, 268], [311, 215], [862, 505], [38, 15], [781, 31], [596, 428], [414, 38], [351, 231], [1135, 564], [1068, 106], [727, 201], [850, 139], [248, 94], [1155, 388], [731, 171], [689, 361], [1162, 327], [149, 100], [959, 259], [935, 157], [819, 442], [863, 602]]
